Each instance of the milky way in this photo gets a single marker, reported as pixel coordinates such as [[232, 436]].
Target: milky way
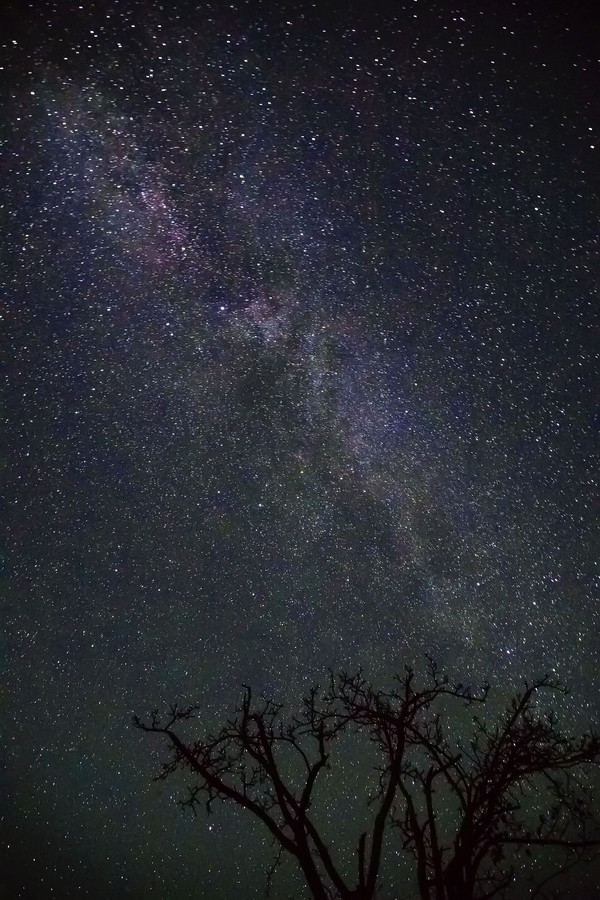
[[303, 373]]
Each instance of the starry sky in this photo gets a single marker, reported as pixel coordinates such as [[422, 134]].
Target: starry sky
[[302, 357]]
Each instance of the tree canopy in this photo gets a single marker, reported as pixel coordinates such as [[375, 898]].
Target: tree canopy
[[507, 805]]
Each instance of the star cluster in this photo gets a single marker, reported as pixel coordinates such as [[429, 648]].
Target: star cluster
[[302, 373]]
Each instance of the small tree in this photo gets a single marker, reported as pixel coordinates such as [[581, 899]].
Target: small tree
[[461, 812]]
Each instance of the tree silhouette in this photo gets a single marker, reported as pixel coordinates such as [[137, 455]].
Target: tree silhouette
[[467, 813], [467, 809]]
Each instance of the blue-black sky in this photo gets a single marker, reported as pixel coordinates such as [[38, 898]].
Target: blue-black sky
[[303, 372]]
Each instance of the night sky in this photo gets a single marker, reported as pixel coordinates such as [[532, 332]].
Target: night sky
[[302, 357]]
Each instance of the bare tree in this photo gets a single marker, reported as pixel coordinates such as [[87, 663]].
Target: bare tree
[[470, 812], [247, 762], [463, 812]]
